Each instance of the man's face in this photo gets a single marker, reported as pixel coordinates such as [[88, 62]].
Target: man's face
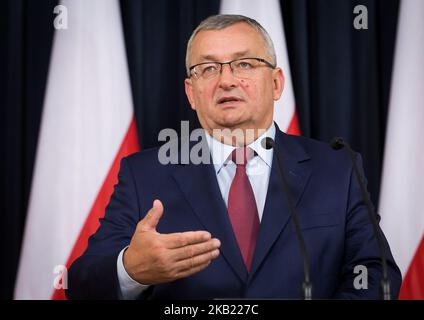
[[227, 101]]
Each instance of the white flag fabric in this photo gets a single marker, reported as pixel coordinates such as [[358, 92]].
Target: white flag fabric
[[402, 189], [87, 126], [268, 14]]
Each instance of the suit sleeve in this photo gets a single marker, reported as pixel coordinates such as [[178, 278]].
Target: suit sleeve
[[361, 249], [94, 274]]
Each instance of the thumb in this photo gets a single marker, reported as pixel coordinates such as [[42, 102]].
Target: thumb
[[152, 217]]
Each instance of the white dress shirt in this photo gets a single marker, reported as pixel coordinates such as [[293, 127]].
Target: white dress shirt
[[258, 170]]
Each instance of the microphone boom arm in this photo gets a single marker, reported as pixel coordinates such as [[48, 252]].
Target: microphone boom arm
[[269, 143], [336, 144]]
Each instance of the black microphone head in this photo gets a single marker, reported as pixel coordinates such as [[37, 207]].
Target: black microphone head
[[267, 143], [337, 143]]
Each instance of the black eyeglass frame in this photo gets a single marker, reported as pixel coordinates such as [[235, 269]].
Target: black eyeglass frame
[[267, 63]]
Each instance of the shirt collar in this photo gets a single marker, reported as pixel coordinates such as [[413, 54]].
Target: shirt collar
[[221, 152]]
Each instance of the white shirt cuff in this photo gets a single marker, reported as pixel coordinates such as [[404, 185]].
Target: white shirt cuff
[[129, 288]]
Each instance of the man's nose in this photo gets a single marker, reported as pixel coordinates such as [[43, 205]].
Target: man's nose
[[226, 77]]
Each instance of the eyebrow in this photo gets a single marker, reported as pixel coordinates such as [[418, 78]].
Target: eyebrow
[[234, 56]]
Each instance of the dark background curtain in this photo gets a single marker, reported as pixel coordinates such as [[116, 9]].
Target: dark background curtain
[[342, 75], [341, 80], [26, 33]]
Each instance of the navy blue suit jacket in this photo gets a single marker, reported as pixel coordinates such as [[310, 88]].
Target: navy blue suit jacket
[[332, 216]]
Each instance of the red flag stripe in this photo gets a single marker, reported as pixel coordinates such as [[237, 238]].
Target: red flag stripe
[[128, 146], [413, 284], [294, 127]]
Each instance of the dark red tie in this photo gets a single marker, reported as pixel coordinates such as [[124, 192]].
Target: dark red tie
[[242, 206]]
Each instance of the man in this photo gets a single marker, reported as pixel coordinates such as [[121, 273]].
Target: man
[[224, 230]]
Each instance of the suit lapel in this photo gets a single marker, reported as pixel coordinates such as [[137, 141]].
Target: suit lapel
[[276, 213], [200, 187]]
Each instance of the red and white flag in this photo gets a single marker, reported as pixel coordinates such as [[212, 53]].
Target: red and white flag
[[268, 14], [87, 127], [402, 190]]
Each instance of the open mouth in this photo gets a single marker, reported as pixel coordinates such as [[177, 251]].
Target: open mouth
[[229, 100]]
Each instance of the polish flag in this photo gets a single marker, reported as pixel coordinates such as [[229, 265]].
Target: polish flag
[[402, 190], [87, 127], [268, 14]]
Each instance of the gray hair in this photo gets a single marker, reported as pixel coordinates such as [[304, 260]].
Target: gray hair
[[222, 21]]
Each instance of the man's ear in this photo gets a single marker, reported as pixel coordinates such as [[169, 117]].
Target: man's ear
[[188, 86], [278, 81]]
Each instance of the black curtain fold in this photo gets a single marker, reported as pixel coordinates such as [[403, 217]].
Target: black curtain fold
[[341, 79], [26, 32], [156, 34], [341, 76]]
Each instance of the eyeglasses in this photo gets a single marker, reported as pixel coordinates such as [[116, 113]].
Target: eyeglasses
[[242, 68]]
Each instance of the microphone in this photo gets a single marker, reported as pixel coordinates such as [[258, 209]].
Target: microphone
[[337, 144], [268, 143]]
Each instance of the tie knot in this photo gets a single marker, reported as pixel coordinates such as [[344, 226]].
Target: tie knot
[[241, 156]]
